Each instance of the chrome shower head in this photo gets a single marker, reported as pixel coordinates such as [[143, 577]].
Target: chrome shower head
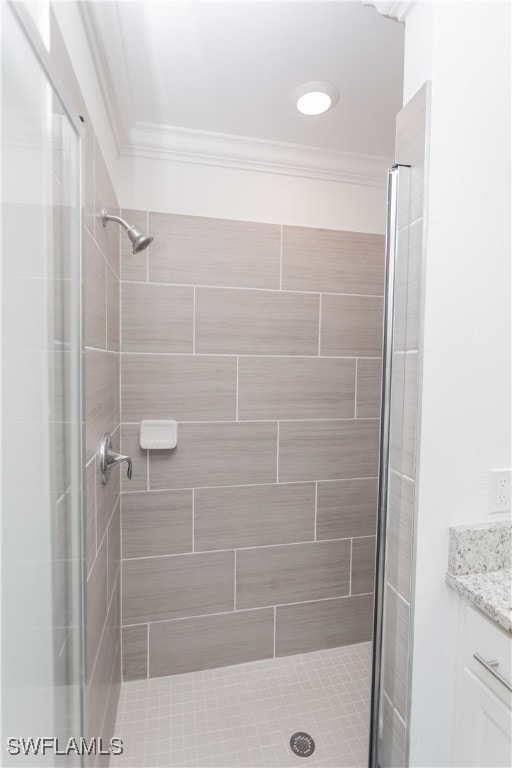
[[139, 241]]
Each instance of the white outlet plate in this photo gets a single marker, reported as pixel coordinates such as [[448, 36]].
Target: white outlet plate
[[500, 490]]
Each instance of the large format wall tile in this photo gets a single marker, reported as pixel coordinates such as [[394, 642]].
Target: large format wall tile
[[351, 326], [89, 526], [180, 387], [323, 624], [202, 251], [410, 414], [328, 450], [98, 683], [108, 238], [346, 508], [253, 515], [368, 388], [107, 495], [114, 550], [270, 456], [363, 565], [238, 453], [157, 318], [113, 311], [210, 641], [396, 650], [130, 446], [96, 604], [101, 390], [292, 573], [94, 295], [399, 533], [332, 261], [295, 388], [411, 146], [256, 322], [157, 588], [135, 652], [157, 523], [134, 266], [414, 244]]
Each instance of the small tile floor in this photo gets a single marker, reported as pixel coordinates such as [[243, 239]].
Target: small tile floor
[[244, 716]]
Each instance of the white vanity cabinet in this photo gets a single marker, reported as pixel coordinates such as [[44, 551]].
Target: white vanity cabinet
[[483, 717]]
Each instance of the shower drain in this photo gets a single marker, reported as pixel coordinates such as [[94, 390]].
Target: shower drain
[[302, 744]]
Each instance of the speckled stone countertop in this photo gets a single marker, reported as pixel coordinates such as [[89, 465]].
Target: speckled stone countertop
[[479, 567]]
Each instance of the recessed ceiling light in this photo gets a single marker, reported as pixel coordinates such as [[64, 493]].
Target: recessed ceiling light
[[315, 98]]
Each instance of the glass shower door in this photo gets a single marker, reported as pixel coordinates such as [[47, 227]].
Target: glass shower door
[[40, 408]]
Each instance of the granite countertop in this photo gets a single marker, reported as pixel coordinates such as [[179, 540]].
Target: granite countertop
[[479, 567]]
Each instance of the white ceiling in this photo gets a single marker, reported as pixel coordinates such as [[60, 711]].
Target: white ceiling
[[230, 68]]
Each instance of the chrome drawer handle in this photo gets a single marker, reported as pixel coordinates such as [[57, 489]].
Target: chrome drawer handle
[[490, 666]]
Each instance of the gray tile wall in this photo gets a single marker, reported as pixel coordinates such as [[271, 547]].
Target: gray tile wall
[[254, 538], [102, 528], [411, 149], [101, 412]]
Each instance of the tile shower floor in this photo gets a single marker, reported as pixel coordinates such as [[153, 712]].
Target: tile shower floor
[[245, 715]]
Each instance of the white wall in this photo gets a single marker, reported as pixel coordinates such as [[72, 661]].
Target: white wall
[[72, 29], [466, 401], [208, 190]]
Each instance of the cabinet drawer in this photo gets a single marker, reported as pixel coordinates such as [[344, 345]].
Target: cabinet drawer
[[491, 643]]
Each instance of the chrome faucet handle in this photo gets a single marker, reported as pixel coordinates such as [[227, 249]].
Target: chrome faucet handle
[[109, 458]]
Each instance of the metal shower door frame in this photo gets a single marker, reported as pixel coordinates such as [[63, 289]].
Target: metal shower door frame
[[385, 418]]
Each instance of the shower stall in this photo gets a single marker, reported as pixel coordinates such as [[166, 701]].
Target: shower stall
[[212, 603]]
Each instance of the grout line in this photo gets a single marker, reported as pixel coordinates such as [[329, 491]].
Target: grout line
[[350, 571], [319, 322], [251, 485], [281, 260], [250, 354], [355, 394], [99, 349], [316, 509], [264, 421], [397, 593], [259, 546], [264, 290], [245, 610], [275, 629]]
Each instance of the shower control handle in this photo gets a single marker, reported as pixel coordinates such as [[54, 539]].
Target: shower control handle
[[109, 459]]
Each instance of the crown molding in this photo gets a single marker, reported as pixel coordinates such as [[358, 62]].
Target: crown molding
[[227, 151], [392, 9], [104, 35]]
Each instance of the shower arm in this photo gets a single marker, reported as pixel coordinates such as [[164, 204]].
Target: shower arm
[[106, 217]]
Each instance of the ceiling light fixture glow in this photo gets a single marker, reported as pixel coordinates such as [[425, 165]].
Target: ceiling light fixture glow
[[315, 98]]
